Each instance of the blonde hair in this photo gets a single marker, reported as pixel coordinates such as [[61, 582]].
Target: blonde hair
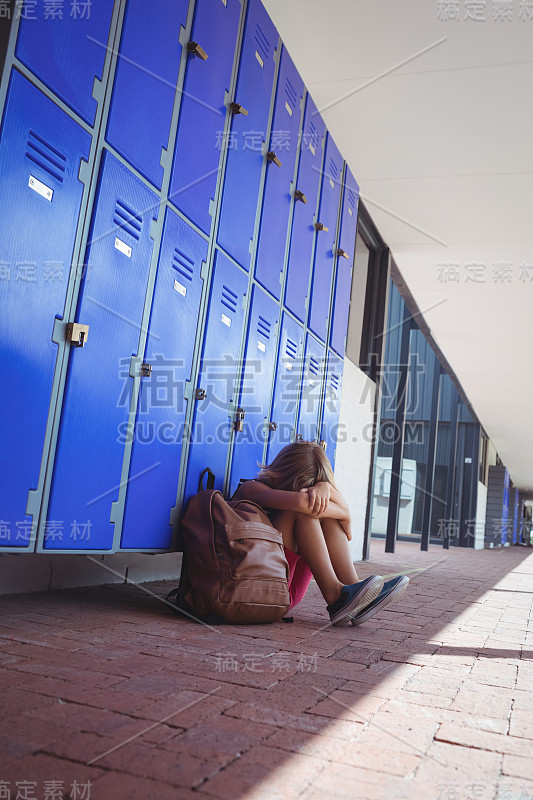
[[298, 466]]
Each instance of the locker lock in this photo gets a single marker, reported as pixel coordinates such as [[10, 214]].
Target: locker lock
[[77, 334], [146, 370], [199, 394], [236, 108], [299, 437], [319, 226], [272, 426], [271, 156], [299, 195], [342, 253], [239, 416], [323, 444], [195, 50]]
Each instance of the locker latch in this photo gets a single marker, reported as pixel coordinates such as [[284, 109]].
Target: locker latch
[[236, 108], [195, 49], [239, 416], [77, 334], [299, 195], [272, 426], [342, 253], [323, 444], [199, 394], [299, 437], [271, 156], [320, 226], [146, 370]]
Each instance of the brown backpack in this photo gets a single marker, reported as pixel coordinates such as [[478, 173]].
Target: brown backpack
[[234, 568]]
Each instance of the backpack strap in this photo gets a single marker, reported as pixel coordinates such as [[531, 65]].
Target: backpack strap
[[210, 483]]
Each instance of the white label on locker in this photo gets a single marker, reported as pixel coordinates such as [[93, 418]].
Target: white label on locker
[[225, 2], [179, 287], [312, 149], [289, 109], [288, 366], [41, 188], [350, 212], [312, 381], [331, 183], [261, 346], [123, 247], [259, 59], [332, 395], [226, 320]]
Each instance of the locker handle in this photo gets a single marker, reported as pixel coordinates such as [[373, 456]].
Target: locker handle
[[299, 195], [272, 426], [323, 445], [343, 253], [77, 334], [271, 156], [146, 370], [321, 227], [195, 50], [239, 416], [199, 394], [236, 108], [299, 437]]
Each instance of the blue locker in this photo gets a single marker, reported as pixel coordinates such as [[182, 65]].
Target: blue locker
[[145, 83], [255, 387], [286, 387], [345, 256], [40, 195], [331, 408], [219, 367], [66, 50], [202, 112], [326, 226], [312, 385], [90, 445], [248, 134], [160, 423], [306, 197], [283, 147]]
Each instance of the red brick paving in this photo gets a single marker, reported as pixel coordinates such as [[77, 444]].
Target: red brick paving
[[431, 699]]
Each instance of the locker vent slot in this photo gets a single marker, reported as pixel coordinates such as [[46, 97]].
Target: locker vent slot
[[290, 93], [352, 198], [262, 42], [264, 327], [314, 138], [291, 348], [182, 264], [313, 365], [229, 299], [335, 382], [46, 156], [127, 219], [333, 170]]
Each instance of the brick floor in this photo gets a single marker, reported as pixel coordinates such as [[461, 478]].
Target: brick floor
[[107, 694]]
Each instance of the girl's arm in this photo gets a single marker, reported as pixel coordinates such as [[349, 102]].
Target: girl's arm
[[283, 500]]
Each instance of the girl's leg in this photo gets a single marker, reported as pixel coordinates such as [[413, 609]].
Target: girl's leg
[[304, 535], [339, 551]]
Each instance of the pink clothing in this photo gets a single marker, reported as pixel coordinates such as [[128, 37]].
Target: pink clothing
[[299, 576]]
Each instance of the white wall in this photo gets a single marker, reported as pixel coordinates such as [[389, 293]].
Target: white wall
[[481, 516], [352, 461]]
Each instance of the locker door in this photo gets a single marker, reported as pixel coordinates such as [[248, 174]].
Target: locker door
[[302, 234], [325, 240], [286, 387], [202, 112], [90, 444], [345, 256], [312, 385], [331, 409], [277, 197], [255, 388], [40, 195], [248, 133], [145, 83], [211, 427], [66, 50], [159, 428]]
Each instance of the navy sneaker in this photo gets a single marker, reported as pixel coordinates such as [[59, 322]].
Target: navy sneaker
[[391, 591], [354, 598]]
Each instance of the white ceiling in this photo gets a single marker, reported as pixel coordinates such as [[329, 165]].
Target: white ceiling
[[442, 148]]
